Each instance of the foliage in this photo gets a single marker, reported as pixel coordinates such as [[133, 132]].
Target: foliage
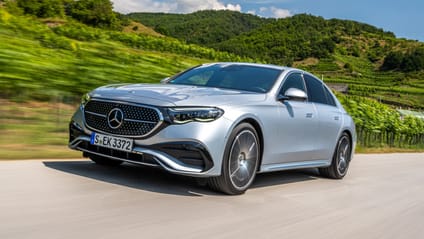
[[35, 130], [45, 63], [42, 63], [42, 8], [96, 13], [344, 51], [378, 125], [278, 41], [203, 27], [410, 61]]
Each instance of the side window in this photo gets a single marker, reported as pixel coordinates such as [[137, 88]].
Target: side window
[[315, 90], [330, 99], [294, 80]]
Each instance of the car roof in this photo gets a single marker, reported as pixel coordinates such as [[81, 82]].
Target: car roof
[[282, 68]]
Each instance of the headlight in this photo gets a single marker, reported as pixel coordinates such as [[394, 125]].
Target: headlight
[[85, 98], [185, 115]]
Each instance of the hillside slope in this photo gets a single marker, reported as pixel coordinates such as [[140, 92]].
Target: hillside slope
[[203, 27], [47, 61], [340, 51], [137, 28], [43, 61]]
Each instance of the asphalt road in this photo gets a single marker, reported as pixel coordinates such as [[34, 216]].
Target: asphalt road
[[381, 197]]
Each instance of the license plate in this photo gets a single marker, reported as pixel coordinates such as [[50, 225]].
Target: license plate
[[112, 142]]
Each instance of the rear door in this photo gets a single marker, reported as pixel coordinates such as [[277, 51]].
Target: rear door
[[328, 114]]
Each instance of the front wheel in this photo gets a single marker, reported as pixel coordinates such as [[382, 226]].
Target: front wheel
[[341, 159], [240, 162]]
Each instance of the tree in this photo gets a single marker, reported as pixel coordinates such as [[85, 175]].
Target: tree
[[42, 8], [412, 61], [392, 61], [98, 13]]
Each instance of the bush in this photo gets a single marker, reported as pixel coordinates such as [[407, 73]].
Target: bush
[[413, 61], [98, 13], [53, 41], [79, 32], [42, 8]]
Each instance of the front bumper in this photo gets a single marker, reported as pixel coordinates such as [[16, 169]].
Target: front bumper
[[193, 149], [177, 157]]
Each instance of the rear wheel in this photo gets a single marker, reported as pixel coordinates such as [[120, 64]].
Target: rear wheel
[[105, 161], [341, 159], [240, 161]]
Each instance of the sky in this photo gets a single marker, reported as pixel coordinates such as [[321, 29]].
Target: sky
[[404, 18]]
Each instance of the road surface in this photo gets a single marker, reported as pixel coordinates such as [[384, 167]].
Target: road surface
[[381, 197]]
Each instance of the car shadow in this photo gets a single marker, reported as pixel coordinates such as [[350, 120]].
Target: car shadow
[[159, 181], [285, 177]]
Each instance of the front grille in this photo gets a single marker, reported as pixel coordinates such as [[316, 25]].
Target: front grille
[[138, 120]]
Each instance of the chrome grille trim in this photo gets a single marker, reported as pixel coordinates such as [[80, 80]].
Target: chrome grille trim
[[140, 121], [157, 124], [93, 113]]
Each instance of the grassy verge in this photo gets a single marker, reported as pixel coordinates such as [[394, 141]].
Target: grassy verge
[[384, 150], [35, 130], [40, 130]]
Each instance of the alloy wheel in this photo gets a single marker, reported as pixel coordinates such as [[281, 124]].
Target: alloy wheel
[[243, 158]]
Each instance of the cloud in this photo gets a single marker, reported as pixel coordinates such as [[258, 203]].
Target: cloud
[[263, 9], [274, 12], [127, 6], [176, 6], [280, 13], [188, 6]]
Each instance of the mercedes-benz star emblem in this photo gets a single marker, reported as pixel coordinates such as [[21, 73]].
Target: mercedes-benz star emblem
[[115, 118]]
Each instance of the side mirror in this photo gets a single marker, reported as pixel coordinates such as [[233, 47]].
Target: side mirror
[[164, 80], [293, 94]]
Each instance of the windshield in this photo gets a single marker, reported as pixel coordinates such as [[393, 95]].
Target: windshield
[[238, 77]]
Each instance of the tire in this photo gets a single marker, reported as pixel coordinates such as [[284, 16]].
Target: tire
[[240, 162], [341, 159], [105, 161]]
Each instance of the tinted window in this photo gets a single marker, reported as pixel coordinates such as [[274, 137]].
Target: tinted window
[[315, 90], [330, 99], [294, 80], [231, 76]]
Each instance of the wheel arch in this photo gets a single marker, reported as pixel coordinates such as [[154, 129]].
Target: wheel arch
[[350, 135]]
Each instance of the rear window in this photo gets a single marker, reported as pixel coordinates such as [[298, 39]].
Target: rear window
[[330, 98], [315, 90]]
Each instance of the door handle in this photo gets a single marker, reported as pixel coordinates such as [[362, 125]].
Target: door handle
[[309, 115], [336, 117]]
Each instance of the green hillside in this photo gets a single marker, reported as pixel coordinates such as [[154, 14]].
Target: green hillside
[[373, 62], [51, 58], [203, 27], [38, 61], [46, 62]]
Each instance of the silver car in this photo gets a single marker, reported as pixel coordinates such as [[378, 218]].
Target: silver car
[[225, 122]]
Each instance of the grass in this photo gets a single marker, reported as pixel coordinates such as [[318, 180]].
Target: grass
[[36, 63], [39, 130], [385, 150], [35, 130], [57, 64], [365, 79]]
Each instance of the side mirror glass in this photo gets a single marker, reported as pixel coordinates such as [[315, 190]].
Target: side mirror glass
[[164, 80], [293, 94]]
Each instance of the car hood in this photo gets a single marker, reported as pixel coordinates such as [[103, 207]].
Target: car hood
[[175, 95]]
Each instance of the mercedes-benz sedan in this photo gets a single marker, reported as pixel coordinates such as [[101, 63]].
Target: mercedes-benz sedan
[[225, 122]]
